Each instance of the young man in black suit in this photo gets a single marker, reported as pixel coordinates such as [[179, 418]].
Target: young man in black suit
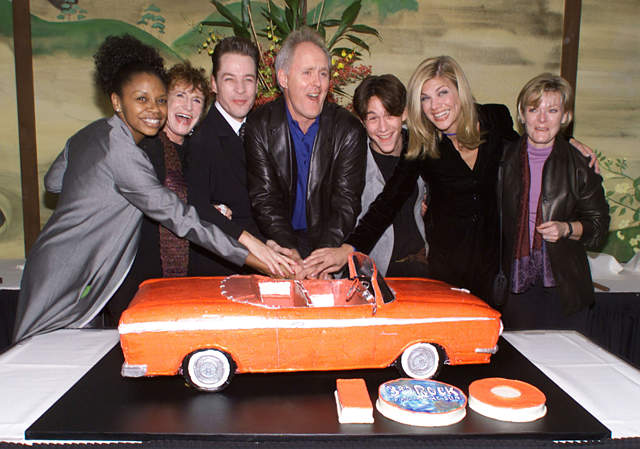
[[216, 165]]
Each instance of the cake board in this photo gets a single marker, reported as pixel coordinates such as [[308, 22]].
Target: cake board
[[286, 407]]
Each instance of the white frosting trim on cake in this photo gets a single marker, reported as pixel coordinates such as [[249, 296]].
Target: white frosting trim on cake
[[222, 322], [422, 419], [508, 413]]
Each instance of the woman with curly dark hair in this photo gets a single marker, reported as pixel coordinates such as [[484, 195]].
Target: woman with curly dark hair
[[106, 184]]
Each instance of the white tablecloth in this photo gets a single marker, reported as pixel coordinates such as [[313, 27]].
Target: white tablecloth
[[37, 372], [603, 384]]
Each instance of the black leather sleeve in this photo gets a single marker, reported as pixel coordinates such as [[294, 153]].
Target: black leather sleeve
[[348, 176], [592, 209], [382, 211], [269, 200]]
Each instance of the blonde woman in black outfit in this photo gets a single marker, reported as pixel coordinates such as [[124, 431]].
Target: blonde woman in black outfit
[[455, 144]]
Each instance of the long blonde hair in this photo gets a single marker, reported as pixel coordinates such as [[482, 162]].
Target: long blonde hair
[[423, 135]]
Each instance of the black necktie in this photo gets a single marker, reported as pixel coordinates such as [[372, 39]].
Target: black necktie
[[241, 131]]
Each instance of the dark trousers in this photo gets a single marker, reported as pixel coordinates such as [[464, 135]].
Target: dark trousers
[[540, 308]]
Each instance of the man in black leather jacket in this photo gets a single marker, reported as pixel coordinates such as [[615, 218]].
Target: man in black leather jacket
[[305, 156]]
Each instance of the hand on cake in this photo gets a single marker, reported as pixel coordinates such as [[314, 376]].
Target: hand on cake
[[324, 261], [270, 259]]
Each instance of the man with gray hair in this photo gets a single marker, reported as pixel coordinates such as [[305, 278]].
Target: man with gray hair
[[305, 156]]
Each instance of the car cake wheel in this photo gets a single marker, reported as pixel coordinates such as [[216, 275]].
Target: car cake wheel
[[208, 369], [420, 361]]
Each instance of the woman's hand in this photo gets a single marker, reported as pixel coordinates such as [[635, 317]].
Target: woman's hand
[[552, 231], [587, 152], [273, 257], [324, 261]]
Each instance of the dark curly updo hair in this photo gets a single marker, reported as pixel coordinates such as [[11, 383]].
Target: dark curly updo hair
[[121, 57]]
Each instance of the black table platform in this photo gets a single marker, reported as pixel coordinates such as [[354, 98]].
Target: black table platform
[[286, 407]]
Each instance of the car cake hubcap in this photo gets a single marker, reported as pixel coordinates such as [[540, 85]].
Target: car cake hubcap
[[420, 361], [209, 369]]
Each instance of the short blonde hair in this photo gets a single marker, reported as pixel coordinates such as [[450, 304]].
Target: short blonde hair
[[423, 135], [531, 94]]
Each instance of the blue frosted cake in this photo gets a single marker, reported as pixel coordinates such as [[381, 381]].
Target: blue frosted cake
[[421, 402]]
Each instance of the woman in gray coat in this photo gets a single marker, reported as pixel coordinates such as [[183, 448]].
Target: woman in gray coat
[[106, 184]]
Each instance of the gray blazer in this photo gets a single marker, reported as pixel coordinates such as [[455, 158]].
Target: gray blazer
[[86, 248], [381, 252]]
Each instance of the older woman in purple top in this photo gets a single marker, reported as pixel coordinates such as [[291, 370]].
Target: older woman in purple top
[[553, 206]]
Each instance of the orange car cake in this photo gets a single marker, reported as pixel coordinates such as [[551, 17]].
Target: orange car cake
[[208, 329]]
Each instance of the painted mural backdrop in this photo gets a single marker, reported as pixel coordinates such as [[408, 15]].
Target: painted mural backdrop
[[501, 44]]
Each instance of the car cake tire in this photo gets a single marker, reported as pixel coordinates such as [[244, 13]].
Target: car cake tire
[[208, 369], [421, 361]]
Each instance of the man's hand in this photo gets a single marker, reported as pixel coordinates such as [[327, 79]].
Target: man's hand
[[291, 253], [587, 152], [324, 261]]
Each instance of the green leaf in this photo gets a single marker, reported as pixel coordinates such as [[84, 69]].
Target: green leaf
[[81, 16], [278, 17], [60, 17], [330, 22], [623, 211], [227, 14], [153, 8], [290, 19], [322, 31], [349, 15], [244, 5], [359, 42], [216, 23], [275, 10], [293, 6], [279, 22], [240, 29], [364, 29], [636, 215], [612, 209]]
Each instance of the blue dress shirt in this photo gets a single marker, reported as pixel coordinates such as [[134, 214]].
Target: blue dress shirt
[[303, 146]]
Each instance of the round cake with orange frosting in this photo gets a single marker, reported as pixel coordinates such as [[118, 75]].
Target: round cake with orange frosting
[[507, 399]]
